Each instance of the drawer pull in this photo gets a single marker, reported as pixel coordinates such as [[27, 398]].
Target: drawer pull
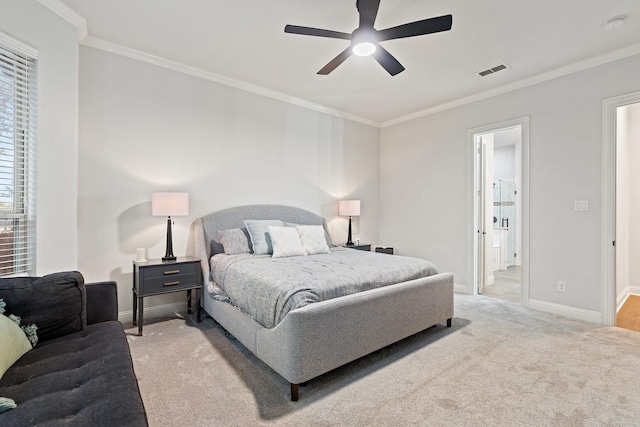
[[171, 272], [177, 282]]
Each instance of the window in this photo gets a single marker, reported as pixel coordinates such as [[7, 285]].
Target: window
[[17, 161]]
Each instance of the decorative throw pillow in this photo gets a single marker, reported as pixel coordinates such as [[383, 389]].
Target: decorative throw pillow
[[234, 241], [313, 239], [286, 242], [14, 343], [6, 404], [259, 234]]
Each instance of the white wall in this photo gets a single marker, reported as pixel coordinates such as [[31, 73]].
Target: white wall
[[57, 145], [144, 128], [504, 165], [425, 181]]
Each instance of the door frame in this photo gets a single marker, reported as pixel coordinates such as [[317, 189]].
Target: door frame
[[473, 214], [609, 141]]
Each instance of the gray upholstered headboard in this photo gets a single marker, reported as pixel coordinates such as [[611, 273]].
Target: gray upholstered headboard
[[207, 228]]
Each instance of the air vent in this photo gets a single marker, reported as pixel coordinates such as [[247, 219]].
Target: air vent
[[493, 70]]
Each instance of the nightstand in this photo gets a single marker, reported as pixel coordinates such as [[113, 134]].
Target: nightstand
[[362, 247], [157, 277], [384, 250]]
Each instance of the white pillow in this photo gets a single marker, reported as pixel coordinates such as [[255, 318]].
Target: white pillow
[[313, 239], [285, 241]]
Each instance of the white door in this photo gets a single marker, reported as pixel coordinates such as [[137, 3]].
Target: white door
[[481, 220], [485, 211], [482, 275]]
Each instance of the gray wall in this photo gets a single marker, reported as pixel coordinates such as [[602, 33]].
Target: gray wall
[[425, 176], [144, 128]]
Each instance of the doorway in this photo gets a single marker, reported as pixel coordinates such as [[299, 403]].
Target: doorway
[[500, 159], [621, 239]]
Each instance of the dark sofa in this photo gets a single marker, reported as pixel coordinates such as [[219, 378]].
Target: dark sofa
[[80, 373]]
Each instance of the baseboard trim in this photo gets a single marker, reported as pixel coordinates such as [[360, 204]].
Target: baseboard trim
[[567, 311], [155, 311], [628, 291], [622, 298], [460, 289]]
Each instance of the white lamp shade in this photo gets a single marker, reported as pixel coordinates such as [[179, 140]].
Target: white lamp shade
[[349, 207], [169, 204]]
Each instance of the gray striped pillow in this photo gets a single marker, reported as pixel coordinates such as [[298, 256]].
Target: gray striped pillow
[[234, 241]]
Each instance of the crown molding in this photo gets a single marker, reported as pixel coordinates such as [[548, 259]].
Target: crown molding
[[594, 61], [68, 15], [81, 24], [206, 75]]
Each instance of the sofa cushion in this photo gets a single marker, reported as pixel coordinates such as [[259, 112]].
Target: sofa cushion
[[55, 303], [84, 379]]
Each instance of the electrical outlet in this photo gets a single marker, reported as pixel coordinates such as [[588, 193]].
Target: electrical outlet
[[562, 286]]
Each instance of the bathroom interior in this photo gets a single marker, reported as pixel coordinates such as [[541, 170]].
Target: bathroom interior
[[502, 262]]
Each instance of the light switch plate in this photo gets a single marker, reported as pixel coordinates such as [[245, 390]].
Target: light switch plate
[[581, 205]]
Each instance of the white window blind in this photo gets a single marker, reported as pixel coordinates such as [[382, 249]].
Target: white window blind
[[18, 108]]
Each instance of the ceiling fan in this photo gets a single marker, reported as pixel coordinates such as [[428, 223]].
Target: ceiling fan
[[365, 40]]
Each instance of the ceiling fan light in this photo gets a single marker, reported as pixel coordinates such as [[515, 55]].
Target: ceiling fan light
[[364, 49]]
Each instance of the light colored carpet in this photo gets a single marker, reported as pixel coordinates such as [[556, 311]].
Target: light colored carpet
[[500, 364]]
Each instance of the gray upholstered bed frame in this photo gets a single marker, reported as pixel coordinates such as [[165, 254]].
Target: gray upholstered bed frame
[[319, 337]]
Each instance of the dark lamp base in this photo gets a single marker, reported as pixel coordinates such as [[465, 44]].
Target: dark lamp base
[[349, 242], [168, 254]]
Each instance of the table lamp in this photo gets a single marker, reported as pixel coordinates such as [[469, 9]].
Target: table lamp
[[169, 204], [349, 208]]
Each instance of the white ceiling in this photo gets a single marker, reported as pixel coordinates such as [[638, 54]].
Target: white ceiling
[[245, 41]]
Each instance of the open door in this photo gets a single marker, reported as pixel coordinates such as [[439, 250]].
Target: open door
[[500, 211], [481, 232], [485, 208]]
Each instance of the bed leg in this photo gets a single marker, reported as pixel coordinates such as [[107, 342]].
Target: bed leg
[[294, 392], [449, 322]]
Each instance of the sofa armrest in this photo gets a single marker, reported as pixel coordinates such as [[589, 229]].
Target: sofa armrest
[[102, 302]]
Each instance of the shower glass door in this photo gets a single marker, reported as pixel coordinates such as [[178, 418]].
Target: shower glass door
[[504, 214]]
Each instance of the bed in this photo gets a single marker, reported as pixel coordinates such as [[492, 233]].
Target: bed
[[303, 342]]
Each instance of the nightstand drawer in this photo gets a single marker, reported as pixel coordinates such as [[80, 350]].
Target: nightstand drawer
[[172, 270], [169, 284], [163, 278]]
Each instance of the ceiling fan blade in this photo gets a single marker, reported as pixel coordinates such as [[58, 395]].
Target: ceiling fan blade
[[318, 32], [418, 28], [368, 11], [333, 64], [387, 61]]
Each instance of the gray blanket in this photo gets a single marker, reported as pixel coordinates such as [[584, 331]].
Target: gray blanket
[[267, 288]]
